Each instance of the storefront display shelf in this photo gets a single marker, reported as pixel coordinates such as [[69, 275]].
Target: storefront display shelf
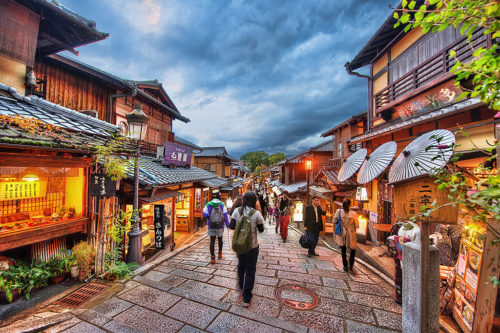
[[39, 233]]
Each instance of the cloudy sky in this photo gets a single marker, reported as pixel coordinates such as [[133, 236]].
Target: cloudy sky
[[251, 75]]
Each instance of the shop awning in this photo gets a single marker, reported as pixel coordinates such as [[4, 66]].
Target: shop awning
[[163, 196], [321, 191], [345, 194]]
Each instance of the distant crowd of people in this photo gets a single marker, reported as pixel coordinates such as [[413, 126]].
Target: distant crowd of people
[[247, 217]]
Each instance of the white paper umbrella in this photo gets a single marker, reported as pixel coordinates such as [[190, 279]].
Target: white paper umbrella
[[351, 165], [428, 152], [376, 163]]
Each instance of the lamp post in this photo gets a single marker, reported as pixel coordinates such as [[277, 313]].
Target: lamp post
[[308, 172], [137, 122]]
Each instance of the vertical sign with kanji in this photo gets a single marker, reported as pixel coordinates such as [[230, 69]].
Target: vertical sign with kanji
[[159, 212], [102, 186]]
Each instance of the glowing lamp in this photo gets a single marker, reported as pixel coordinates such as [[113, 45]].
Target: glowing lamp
[[361, 194], [30, 178], [309, 164], [137, 122], [229, 203]]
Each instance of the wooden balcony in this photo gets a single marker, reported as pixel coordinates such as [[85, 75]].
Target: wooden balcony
[[433, 72]]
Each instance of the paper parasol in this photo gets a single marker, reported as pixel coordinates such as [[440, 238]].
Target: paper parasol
[[351, 165], [376, 163], [428, 152]]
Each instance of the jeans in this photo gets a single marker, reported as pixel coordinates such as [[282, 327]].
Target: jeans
[[344, 256], [212, 245], [313, 241], [247, 265], [284, 220]]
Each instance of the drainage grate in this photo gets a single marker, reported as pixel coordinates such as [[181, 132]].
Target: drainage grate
[[82, 295], [301, 298]]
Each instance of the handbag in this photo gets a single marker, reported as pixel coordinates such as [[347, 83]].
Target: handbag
[[304, 241], [338, 226]]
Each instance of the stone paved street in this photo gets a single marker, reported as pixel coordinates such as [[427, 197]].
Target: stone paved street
[[188, 294]]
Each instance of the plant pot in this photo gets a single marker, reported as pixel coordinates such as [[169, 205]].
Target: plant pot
[[57, 279], [82, 275], [3, 296], [74, 272]]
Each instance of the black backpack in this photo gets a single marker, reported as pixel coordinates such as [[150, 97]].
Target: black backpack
[[216, 217]]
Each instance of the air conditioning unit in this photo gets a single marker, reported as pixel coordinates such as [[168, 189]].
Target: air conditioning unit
[[160, 152]]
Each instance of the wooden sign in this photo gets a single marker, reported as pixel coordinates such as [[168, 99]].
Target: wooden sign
[[102, 185], [20, 190], [409, 196], [159, 213], [431, 100]]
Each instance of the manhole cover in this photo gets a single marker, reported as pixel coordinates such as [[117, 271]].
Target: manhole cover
[[297, 297], [82, 295]]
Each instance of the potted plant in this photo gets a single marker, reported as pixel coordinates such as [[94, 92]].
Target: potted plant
[[9, 290], [84, 257], [57, 268], [120, 270]]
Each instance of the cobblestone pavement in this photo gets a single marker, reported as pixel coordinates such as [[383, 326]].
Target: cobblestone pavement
[[188, 294]]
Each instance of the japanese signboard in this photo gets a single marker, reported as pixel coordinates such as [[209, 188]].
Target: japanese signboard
[[176, 154], [20, 190], [159, 213], [410, 196], [434, 99], [102, 185], [386, 191]]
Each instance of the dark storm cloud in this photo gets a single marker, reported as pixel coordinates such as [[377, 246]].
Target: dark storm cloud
[[250, 75]]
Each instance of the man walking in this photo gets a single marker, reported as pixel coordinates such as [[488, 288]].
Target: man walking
[[284, 208], [313, 224], [216, 214]]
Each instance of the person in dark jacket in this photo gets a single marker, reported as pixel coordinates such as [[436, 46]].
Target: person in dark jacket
[[313, 224]]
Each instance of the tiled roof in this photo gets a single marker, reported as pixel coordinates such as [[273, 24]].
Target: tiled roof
[[215, 182], [291, 188], [299, 158], [434, 115], [215, 152], [332, 176], [185, 142], [75, 130], [152, 172]]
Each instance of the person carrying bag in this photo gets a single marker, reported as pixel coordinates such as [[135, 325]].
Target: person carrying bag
[[347, 222], [245, 222]]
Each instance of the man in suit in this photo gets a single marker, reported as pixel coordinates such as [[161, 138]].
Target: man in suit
[[313, 224]]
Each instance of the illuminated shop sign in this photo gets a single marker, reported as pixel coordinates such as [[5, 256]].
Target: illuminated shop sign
[[20, 190], [176, 154]]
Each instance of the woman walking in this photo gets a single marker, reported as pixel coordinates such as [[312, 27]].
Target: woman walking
[[247, 262], [347, 238]]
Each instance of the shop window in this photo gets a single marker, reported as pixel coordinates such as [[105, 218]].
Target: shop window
[[32, 197]]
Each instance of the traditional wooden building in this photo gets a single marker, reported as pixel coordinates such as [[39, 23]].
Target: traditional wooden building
[[411, 91], [82, 87], [216, 160], [46, 162]]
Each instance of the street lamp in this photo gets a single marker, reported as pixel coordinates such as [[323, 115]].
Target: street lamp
[[309, 167], [137, 122]]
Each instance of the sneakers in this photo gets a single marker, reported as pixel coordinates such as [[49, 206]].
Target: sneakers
[[284, 240], [212, 260], [247, 304], [220, 254]]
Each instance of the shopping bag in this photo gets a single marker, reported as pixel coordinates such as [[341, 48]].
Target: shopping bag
[[304, 241]]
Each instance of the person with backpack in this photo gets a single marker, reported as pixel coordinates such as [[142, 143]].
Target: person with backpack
[[245, 222], [216, 214], [348, 220]]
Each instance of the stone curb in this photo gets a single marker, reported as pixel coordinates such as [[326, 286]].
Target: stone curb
[[362, 262], [149, 266], [36, 324]]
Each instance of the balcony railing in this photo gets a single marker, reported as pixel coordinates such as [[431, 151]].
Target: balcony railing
[[437, 66]]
